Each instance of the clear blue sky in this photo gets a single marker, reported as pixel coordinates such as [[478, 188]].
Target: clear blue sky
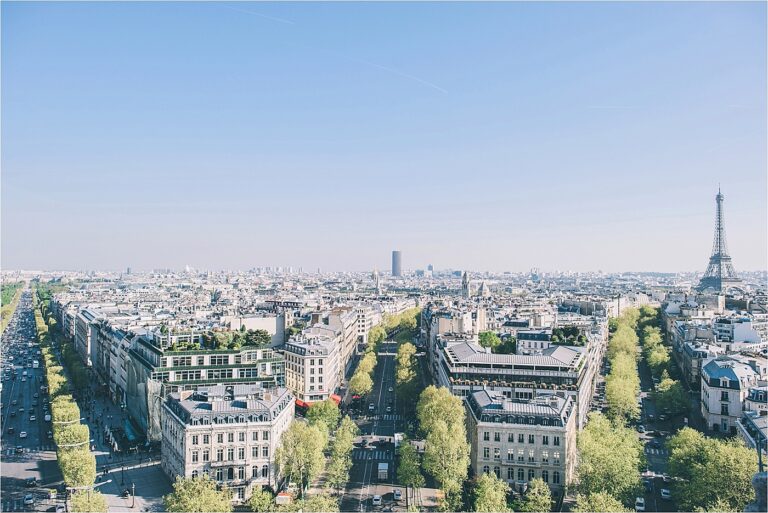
[[495, 136]]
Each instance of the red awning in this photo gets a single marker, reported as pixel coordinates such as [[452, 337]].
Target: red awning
[[355, 397], [301, 404], [335, 398]]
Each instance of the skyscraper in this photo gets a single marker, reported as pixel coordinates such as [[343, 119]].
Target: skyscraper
[[397, 263]]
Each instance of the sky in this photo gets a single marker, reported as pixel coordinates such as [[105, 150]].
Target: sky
[[487, 136]]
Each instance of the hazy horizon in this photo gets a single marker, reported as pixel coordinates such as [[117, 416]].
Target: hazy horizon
[[491, 136]]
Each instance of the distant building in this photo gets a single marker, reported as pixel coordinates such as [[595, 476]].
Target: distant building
[[313, 367], [523, 439], [725, 385], [397, 263], [229, 433]]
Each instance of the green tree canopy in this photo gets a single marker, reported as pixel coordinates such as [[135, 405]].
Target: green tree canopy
[[538, 497], [88, 501], [261, 501], [198, 495], [610, 458], [300, 453], [599, 501], [489, 339], [78, 466], [670, 395], [325, 414], [409, 469], [361, 383], [439, 404], [446, 458], [489, 494]]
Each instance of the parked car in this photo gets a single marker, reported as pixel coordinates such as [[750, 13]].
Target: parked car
[[666, 494], [640, 504], [371, 407], [23, 434], [641, 429], [376, 500], [397, 494], [29, 499]]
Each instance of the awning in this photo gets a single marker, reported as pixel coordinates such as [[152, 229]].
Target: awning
[[335, 398], [301, 404]]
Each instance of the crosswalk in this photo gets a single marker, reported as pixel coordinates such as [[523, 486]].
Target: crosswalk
[[389, 417], [366, 454], [658, 452], [30, 450]]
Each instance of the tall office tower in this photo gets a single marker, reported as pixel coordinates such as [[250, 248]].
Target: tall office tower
[[720, 274], [397, 263], [430, 268]]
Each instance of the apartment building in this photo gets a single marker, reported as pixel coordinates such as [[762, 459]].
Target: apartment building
[[313, 366], [522, 439], [229, 433], [725, 385]]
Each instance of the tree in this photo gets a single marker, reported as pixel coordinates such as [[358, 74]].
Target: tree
[[361, 383], [88, 501], [376, 335], [300, 453], [408, 323], [78, 467], [490, 494], [446, 458], [367, 363], [324, 413], [409, 469], [670, 395], [711, 472], [610, 457], [538, 497], [489, 339], [69, 436], [337, 473], [198, 495], [438, 404], [320, 504], [599, 501], [257, 338], [261, 501], [622, 387]]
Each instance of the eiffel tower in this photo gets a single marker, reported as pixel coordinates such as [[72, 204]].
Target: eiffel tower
[[720, 274]]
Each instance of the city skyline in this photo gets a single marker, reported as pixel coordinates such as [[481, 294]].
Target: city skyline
[[496, 137]]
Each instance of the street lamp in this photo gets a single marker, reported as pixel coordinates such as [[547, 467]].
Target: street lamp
[[122, 478], [133, 495]]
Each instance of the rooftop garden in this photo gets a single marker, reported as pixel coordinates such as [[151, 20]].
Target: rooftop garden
[[568, 336], [497, 345]]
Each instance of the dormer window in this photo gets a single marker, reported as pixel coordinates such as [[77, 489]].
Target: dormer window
[[724, 382]]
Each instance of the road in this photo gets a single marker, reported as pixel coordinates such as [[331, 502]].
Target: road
[[33, 455], [384, 420]]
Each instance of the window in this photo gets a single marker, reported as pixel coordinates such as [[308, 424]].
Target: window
[[496, 453], [486, 469], [531, 474], [206, 455], [545, 476], [219, 454], [255, 436], [520, 474], [497, 437], [510, 473], [195, 456], [520, 438], [206, 439], [531, 456], [724, 409], [265, 451], [511, 438], [510, 455], [241, 453], [486, 452], [520, 456], [556, 458], [531, 439], [497, 471], [219, 474], [230, 454], [254, 472], [241, 436], [265, 471], [241, 472], [556, 441], [255, 451], [194, 474], [545, 457], [265, 436], [486, 436], [545, 440], [195, 439], [724, 396], [201, 361], [230, 437], [220, 438], [556, 477]]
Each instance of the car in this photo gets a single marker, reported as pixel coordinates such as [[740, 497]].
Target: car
[[666, 494], [641, 429], [50, 435], [23, 434], [397, 494], [23, 379], [29, 499], [13, 413], [390, 389], [19, 449], [639, 504], [650, 416], [389, 409], [376, 500], [21, 410], [60, 509], [662, 417], [371, 407], [30, 482], [11, 430], [32, 418], [35, 396], [14, 402]]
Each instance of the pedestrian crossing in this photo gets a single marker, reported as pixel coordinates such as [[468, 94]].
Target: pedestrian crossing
[[367, 454], [27, 450], [658, 452], [389, 417]]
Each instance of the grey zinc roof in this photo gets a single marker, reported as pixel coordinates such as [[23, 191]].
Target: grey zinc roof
[[727, 367], [556, 356], [529, 408]]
